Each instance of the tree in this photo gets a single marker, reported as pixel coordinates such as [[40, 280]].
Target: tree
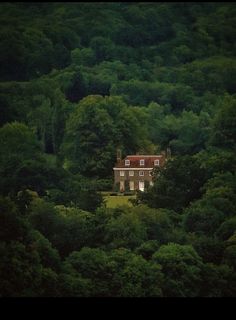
[[227, 229], [89, 136], [12, 225], [148, 248], [103, 48], [210, 249], [17, 140], [125, 231], [217, 281], [17, 169], [89, 199], [183, 53], [229, 256], [84, 56], [140, 78], [44, 218], [76, 230], [184, 134], [201, 217], [60, 113], [77, 88], [118, 274], [157, 222], [28, 262], [68, 229], [224, 132], [216, 161], [175, 185], [134, 276], [93, 132], [49, 256], [93, 265], [15, 281], [181, 266]]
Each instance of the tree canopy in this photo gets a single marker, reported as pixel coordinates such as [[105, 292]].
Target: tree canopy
[[78, 81]]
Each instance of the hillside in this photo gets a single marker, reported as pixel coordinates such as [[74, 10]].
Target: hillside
[[77, 82]]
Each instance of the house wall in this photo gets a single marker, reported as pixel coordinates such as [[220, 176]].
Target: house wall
[[136, 178], [133, 163]]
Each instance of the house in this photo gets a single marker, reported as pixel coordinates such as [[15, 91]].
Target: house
[[135, 171]]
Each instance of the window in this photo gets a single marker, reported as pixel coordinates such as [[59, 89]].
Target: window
[[141, 162], [156, 162], [150, 173], [141, 173], [131, 173], [122, 186], [141, 185], [122, 173], [131, 185], [127, 162]]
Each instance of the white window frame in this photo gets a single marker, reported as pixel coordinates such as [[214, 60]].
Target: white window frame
[[131, 173], [141, 175], [127, 162], [156, 162], [142, 162], [122, 173]]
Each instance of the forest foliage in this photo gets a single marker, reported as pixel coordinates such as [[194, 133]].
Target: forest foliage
[[78, 81]]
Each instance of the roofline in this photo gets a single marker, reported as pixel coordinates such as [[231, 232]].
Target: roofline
[[140, 156], [121, 168]]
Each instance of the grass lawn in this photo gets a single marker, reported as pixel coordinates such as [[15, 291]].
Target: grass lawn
[[115, 201]]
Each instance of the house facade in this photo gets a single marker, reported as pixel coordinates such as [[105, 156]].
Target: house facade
[[135, 171]]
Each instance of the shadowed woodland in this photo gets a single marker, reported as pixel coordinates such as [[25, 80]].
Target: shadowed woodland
[[80, 80]]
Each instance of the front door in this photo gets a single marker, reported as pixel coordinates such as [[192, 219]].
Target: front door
[[141, 185]]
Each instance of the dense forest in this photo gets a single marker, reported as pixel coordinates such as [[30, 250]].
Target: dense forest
[[78, 81]]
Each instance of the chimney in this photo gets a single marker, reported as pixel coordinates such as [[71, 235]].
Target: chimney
[[118, 155]]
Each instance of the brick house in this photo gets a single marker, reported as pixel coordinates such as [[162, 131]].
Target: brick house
[[135, 171]]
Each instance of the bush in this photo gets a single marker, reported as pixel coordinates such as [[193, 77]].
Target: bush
[[128, 193]]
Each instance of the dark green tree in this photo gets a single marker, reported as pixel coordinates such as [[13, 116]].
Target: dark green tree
[[181, 266], [175, 185]]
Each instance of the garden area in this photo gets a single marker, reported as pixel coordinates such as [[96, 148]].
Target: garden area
[[113, 201]]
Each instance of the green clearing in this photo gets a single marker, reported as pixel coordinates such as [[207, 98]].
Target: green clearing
[[115, 201]]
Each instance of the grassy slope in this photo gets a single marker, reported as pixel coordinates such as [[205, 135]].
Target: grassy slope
[[115, 201]]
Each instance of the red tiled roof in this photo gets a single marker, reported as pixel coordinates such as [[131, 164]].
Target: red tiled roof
[[135, 161]]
